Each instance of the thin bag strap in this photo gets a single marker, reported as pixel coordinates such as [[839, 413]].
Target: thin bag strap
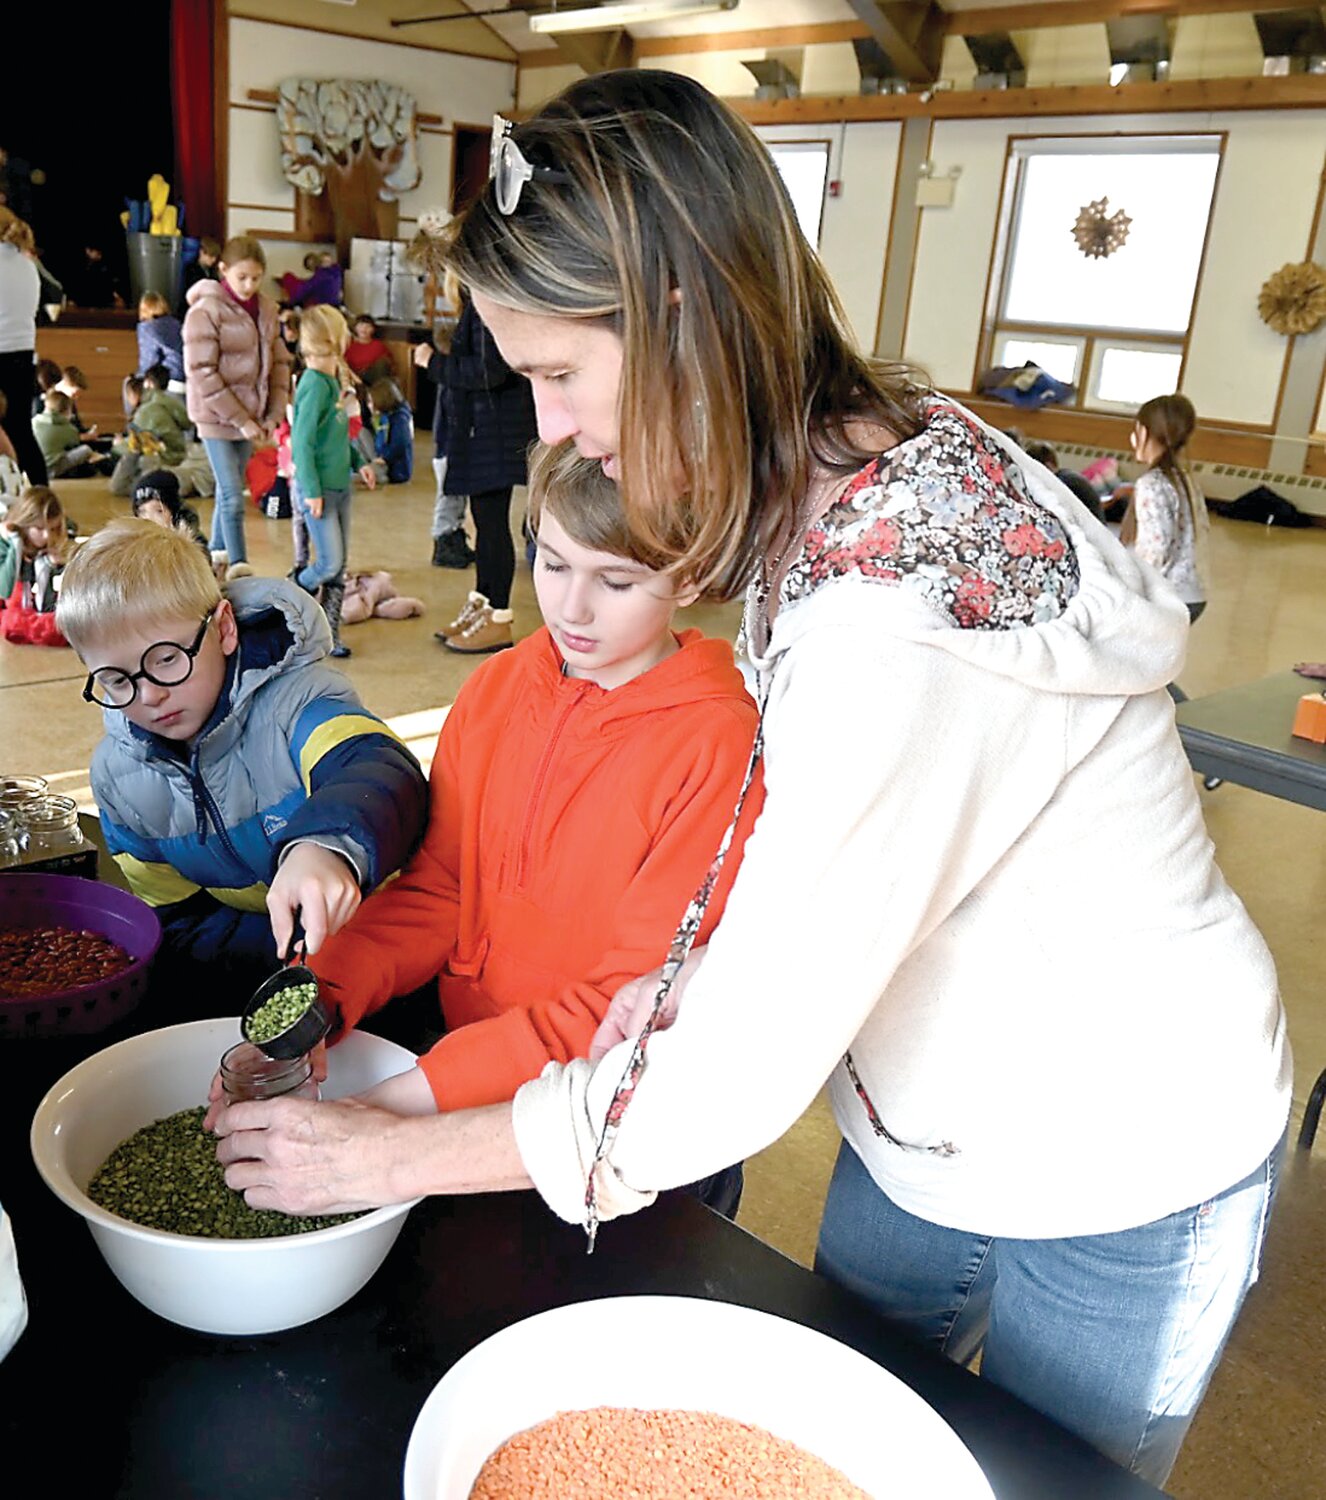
[[682, 942]]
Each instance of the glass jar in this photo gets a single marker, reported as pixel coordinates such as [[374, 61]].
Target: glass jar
[[13, 837], [52, 826], [18, 793], [248, 1073]]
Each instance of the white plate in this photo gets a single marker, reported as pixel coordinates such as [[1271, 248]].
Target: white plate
[[688, 1354]]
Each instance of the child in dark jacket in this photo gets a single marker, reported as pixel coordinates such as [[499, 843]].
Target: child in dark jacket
[[242, 784], [395, 430], [156, 498], [160, 338]]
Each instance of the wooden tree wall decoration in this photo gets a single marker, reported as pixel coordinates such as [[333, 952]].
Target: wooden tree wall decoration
[[1098, 232], [357, 144]]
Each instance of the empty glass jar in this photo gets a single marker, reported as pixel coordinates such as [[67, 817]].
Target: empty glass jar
[[247, 1073], [52, 826]]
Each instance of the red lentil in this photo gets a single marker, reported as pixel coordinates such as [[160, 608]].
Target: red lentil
[[612, 1453], [43, 960]]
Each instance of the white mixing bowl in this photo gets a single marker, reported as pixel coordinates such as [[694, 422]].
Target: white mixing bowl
[[216, 1286], [688, 1354]]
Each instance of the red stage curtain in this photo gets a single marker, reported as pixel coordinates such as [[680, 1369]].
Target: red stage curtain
[[193, 85]]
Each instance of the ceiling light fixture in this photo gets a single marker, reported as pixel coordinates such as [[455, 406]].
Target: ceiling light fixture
[[623, 13]]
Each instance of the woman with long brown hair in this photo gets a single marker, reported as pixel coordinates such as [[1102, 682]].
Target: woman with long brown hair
[[1060, 1142]]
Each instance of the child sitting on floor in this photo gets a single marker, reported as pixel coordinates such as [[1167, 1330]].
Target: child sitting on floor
[[74, 384], [368, 356], [156, 498], [160, 340], [580, 788], [323, 285], [34, 541], [157, 435], [66, 454], [242, 784]]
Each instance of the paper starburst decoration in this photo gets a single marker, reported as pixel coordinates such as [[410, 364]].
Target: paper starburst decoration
[[1098, 232]]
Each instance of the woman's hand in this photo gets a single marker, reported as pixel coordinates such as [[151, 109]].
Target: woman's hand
[[300, 1157], [422, 354], [629, 1008], [322, 885], [314, 505]]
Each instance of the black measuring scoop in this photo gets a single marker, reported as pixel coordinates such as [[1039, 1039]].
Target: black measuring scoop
[[311, 1026]]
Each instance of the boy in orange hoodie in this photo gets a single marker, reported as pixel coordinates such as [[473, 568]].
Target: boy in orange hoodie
[[580, 788]]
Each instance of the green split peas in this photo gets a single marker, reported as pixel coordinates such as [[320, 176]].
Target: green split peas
[[279, 1013], [166, 1176]]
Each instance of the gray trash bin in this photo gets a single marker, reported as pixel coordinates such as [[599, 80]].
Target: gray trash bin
[[156, 264]]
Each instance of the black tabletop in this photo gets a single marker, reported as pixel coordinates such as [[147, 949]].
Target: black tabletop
[[101, 1398], [1243, 735]]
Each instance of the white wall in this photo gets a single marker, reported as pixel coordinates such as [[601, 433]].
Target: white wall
[[1261, 218], [854, 231], [465, 89]]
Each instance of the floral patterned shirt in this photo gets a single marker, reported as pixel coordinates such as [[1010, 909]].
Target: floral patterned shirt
[[945, 513]]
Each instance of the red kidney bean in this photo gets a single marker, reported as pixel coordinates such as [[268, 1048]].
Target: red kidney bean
[[43, 960]]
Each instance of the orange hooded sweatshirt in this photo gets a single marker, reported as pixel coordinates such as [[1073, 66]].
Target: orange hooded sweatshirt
[[569, 829]]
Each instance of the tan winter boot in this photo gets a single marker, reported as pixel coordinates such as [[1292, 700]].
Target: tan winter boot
[[489, 631], [474, 606]]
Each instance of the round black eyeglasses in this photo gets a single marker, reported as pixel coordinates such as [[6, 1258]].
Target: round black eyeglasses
[[165, 663]]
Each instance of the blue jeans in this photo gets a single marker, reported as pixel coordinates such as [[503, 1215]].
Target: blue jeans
[[227, 457], [330, 535], [1114, 1336]]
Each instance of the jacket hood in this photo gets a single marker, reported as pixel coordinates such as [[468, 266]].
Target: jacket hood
[[280, 627], [1123, 633], [702, 670], [204, 291]]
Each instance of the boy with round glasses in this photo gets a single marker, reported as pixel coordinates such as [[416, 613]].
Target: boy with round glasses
[[242, 785]]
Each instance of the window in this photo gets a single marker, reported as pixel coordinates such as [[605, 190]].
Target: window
[[1113, 326], [804, 168]]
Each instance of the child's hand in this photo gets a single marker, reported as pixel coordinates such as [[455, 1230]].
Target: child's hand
[[370, 477], [319, 882], [314, 504], [89, 432], [629, 1008], [253, 431]]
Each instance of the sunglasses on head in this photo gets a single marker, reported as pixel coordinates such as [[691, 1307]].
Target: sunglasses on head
[[509, 169]]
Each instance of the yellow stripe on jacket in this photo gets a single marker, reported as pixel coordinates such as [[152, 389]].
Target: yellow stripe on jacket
[[242, 898], [335, 732], [157, 884], [163, 885]]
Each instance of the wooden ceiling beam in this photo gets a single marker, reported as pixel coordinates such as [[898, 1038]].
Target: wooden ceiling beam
[[597, 51], [955, 23], [1297, 91], [912, 35], [813, 35], [1093, 12]]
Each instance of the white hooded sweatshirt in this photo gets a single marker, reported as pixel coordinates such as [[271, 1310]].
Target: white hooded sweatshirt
[[982, 870]]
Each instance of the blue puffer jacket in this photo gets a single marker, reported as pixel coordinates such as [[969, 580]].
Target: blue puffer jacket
[[289, 754]]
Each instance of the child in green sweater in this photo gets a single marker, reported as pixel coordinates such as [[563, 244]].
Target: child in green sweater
[[67, 455], [320, 450], [157, 435]]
